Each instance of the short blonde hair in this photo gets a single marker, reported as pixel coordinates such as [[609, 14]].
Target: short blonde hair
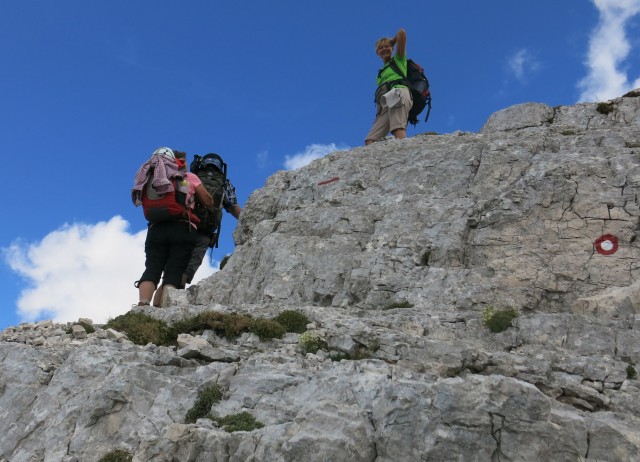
[[383, 40]]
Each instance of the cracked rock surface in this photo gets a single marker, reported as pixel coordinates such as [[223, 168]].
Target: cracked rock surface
[[394, 252]]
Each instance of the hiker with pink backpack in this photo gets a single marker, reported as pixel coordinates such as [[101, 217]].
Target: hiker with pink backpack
[[167, 193]]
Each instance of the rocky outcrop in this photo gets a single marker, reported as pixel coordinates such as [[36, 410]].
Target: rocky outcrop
[[508, 216], [394, 251]]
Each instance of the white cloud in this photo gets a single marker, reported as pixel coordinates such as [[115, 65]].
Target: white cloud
[[311, 153], [263, 159], [608, 48], [522, 63], [82, 270]]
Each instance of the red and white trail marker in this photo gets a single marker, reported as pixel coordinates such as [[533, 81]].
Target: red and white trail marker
[[606, 244]]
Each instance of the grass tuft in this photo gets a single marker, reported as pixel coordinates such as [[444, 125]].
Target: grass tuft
[[119, 455], [267, 329], [498, 321], [292, 321], [402, 304], [141, 328], [229, 325], [311, 343], [604, 108], [201, 408], [243, 421]]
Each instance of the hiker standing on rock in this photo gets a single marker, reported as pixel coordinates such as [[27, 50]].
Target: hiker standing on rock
[[167, 194], [211, 170], [203, 243], [393, 98]]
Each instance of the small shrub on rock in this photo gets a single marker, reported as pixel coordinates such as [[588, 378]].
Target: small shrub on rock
[[498, 321], [141, 328], [119, 455], [292, 321], [267, 329], [201, 408], [242, 422], [632, 374], [311, 343], [604, 108], [339, 356], [230, 325], [234, 324], [362, 352], [402, 304]]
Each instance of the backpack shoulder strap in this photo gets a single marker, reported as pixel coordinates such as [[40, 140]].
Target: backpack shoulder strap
[[393, 65], [403, 78]]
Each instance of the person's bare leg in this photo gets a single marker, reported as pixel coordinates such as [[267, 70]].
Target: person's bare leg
[[145, 292], [157, 297], [399, 133]]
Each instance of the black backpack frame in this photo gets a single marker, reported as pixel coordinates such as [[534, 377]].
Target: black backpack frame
[[196, 166], [198, 163]]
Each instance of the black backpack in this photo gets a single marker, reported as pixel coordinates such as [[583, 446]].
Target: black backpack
[[418, 84], [212, 171]]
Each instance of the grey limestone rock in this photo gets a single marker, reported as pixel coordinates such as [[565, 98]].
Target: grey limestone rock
[[395, 252]]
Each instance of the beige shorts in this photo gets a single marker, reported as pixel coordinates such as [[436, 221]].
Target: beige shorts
[[390, 119]]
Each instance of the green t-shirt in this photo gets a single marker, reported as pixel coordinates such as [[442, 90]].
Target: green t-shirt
[[387, 74]]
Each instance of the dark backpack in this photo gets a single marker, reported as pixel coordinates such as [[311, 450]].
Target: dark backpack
[[212, 171], [418, 84], [170, 206]]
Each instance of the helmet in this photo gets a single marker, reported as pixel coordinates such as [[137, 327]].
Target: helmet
[[212, 160], [166, 152]]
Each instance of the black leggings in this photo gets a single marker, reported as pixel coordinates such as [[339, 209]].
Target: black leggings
[[168, 248]]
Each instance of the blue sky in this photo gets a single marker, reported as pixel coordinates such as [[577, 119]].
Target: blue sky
[[91, 88]]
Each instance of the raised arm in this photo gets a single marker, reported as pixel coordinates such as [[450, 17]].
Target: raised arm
[[204, 197], [235, 210], [400, 42]]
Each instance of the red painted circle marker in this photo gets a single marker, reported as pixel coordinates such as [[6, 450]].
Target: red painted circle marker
[[606, 244]]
